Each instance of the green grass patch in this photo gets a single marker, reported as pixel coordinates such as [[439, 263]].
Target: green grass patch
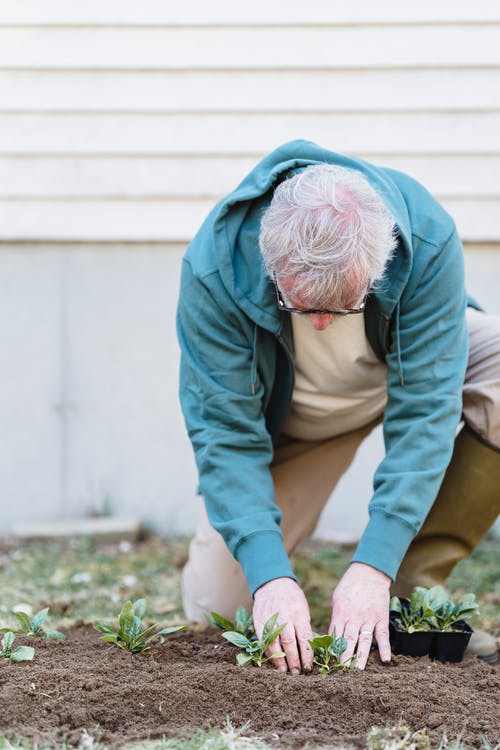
[[89, 580], [398, 737], [86, 579]]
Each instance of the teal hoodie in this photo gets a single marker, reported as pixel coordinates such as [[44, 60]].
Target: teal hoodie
[[237, 370]]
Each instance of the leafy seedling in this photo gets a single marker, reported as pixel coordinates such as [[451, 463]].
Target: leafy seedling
[[446, 612], [414, 615], [254, 650], [131, 635], [432, 609], [20, 653], [34, 626], [243, 623], [327, 650]]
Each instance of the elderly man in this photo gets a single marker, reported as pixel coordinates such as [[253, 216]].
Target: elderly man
[[323, 296]]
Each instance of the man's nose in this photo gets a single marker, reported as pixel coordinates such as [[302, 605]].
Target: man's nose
[[320, 321]]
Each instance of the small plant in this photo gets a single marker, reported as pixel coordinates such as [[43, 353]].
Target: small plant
[[131, 635], [432, 609], [412, 616], [327, 651], [447, 613], [254, 650], [20, 653], [243, 622], [34, 626]]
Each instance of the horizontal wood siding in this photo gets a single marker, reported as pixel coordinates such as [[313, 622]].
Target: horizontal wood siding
[[283, 91], [258, 12], [249, 47], [172, 220], [126, 121], [200, 176]]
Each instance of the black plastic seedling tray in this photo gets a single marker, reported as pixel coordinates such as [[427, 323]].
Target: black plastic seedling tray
[[444, 645], [409, 644], [450, 645]]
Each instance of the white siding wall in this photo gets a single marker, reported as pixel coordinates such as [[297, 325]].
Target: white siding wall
[[125, 121], [121, 123]]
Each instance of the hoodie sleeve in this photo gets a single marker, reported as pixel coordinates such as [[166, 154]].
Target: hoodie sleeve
[[426, 369], [225, 421]]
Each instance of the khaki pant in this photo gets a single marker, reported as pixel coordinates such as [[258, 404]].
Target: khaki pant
[[305, 474]]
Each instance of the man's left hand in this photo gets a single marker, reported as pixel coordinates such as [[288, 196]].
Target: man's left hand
[[360, 611]]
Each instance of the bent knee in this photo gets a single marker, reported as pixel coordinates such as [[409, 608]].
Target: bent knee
[[208, 587], [481, 392]]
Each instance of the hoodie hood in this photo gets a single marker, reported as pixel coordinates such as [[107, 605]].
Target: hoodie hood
[[236, 224]]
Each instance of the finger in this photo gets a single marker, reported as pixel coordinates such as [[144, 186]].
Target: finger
[[382, 638], [279, 662], [351, 634], [364, 643], [304, 635], [258, 625], [275, 646], [337, 625], [290, 647], [258, 629]]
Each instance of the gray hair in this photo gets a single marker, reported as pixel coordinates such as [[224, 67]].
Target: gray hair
[[330, 229]]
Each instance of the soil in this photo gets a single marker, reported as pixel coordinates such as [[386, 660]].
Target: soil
[[192, 681]]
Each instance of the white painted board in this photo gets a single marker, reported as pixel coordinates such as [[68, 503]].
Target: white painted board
[[250, 47], [171, 177], [249, 133], [420, 89], [221, 12]]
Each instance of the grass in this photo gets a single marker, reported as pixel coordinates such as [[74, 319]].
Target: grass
[[85, 579], [88, 580], [479, 573], [226, 738], [398, 737]]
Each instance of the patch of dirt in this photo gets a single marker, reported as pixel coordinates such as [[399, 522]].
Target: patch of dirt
[[192, 681]]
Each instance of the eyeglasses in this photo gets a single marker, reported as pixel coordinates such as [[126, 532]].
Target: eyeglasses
[[284, 307]]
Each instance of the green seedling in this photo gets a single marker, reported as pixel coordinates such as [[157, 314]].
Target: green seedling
[[254, 650], [327, 650], [20, 653], [414, 616], [132, 636], [432, 609], [34, 626], [446, 612], [243, 623]]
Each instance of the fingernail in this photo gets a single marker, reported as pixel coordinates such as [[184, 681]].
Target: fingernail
[[295, 671], [281, 669]]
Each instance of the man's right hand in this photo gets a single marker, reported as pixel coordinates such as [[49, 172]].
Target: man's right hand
[[284, 595]]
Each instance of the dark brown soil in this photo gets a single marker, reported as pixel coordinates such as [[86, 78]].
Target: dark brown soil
[[192, 681]]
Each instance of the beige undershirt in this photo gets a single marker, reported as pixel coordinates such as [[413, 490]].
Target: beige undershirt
[[340, 385]]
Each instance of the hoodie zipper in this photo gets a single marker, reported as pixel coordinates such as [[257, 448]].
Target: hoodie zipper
[[289, 354], [253, 368]]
